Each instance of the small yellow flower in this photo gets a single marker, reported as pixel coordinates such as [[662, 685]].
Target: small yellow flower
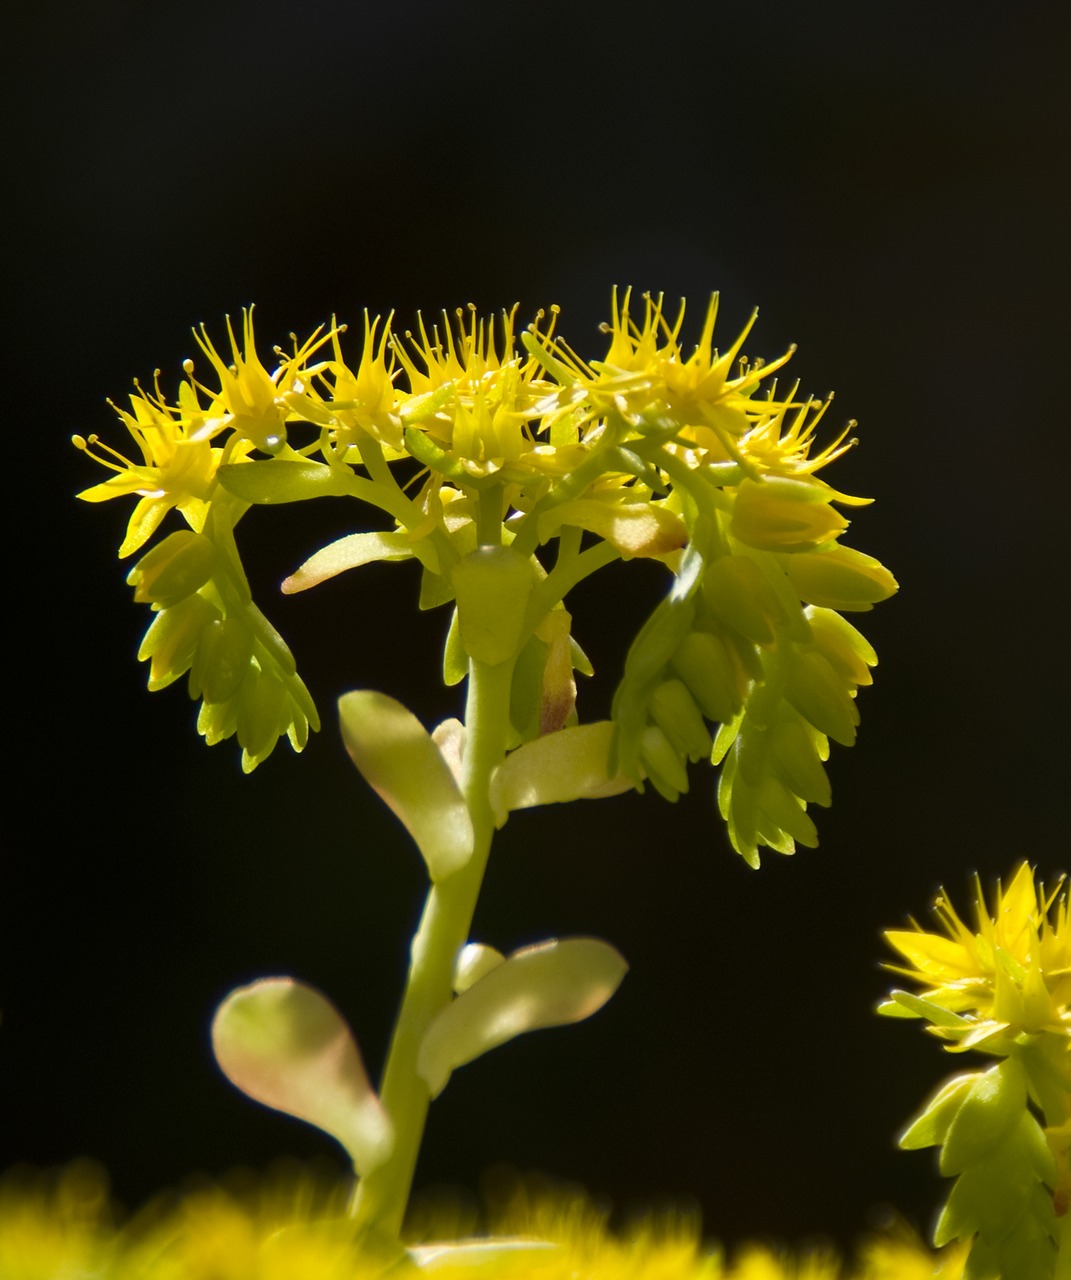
[[178, 466], [476, 397], [645, 374], [361, 401], [1008, 975], [254, 403]]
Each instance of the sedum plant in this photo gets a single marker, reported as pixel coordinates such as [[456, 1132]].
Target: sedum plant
[[1001, 988], [513, 469]]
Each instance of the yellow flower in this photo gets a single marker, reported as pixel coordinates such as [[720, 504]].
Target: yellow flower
[[253, 402], [645, 374], [178, 466], [477, 398], [1008, 975], [361, 401]]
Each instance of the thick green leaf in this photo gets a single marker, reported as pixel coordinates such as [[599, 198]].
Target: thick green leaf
[[493, 586], [930, 1127], [398, 758], [571, 764], [347, 553], [284, 1044], [475, 962], [988, 1113], [548, 985], [274, 480]]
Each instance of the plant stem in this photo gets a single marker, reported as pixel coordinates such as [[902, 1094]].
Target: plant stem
[[381, 1197]]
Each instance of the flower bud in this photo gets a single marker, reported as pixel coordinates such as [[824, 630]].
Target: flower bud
[[714, 678], [263, 716], [819, 694], [662, 764], [783, 514], [796, 760], [737, 593], [847, 650], [840, 578], [173, 569], [673, 709], [223, 657], [786, 811], [171, 641]]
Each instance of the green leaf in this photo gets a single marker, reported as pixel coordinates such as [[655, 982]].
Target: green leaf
[[986, 1116], [551, 984], [915, 1007], [347, 553], [475, 962], [285, 1045], [492, 586], [571, 764], [275, 480], [398, 758], [930, 1126]]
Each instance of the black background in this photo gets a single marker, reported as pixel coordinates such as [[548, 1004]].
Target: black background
[[885, 181]]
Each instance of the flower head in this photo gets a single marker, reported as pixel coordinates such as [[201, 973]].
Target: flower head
[[254, 403], [1010, 974], [710, 394], [178, 461], [476, 397]]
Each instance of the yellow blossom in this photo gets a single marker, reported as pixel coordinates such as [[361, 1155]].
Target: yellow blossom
[[178, 462], [254, 403], [1008, 975], [361, 400], [476, 397], [709, 394]]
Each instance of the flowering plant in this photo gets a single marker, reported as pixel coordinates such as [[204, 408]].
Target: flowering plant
[[512, 469]]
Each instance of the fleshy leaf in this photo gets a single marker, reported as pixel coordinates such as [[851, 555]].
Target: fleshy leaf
[[475, 962], [492, 586], [551, 984], [285, 1045], [930, 1127], [398, 758], [568, 765], [274, 480], [347, 553], [634, 528]]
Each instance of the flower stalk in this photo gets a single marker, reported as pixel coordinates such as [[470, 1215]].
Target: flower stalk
[[381, 1197]]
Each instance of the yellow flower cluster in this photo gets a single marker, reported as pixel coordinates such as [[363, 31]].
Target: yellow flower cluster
[[1008, 975], [517, 441], [62, 1227], [1001, 986]]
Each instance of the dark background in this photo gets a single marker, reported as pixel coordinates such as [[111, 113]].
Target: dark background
[[885, 180]]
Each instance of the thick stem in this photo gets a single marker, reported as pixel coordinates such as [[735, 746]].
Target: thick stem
[[381, 1197]]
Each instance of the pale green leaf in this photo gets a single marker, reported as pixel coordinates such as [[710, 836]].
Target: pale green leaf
[[930, 1127], [571, 764], [398, 758], [548, 985], [475, 962], [347, 553], [274, 480], [285, 1045]]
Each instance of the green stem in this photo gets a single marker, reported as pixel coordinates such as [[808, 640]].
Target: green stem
[[380, 1201]]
